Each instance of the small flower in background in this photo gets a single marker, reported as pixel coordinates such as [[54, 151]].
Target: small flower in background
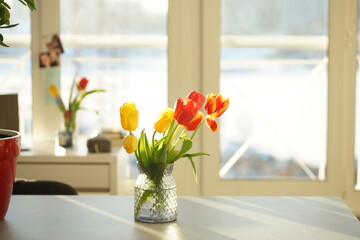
[[75, 100], [174, 143], [54, 92], [81, 85], [67, 115]]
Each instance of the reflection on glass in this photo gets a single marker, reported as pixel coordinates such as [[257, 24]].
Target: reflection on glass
[[274, 70], [120, 46]]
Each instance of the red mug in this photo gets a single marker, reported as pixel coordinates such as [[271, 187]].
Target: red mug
[[9, 150]]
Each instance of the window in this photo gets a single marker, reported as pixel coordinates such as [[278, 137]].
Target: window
[[274, 69], [121, 48], [15, 67]]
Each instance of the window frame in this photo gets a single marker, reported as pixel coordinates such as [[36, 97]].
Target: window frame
[[340, 173]]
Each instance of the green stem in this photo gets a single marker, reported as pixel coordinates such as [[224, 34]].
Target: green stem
[[177, 140], [172, 134]]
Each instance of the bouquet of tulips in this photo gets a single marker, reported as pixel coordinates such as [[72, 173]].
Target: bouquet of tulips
[[177, 127], [74, 101]]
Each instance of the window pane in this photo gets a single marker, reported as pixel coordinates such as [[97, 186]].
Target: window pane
[[120, 46], [274, 70], [15, 66]]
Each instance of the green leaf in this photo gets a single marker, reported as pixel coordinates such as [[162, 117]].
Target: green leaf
[[161, 155], [197, 154], [147, 147], [30, 4], [172, 156], [83, 95], [193, 167], [144, 154], [9, 26], [24, 3], [5, 4], [1, 41]]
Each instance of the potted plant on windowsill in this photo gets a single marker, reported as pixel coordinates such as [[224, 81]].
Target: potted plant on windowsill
[[5, 16], [9, 140]]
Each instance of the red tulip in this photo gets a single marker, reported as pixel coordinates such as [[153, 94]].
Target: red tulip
[[198, 98], [185, 110], [216, 105], [211, 123], [194, 123], [68, 115], [82, 83]]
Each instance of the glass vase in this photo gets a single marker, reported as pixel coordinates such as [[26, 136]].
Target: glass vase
[[65, 139], [155, 198]]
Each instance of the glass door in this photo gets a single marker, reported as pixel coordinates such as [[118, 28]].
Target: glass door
[[273, 66]]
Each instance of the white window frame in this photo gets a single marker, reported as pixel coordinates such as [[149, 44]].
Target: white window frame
[[340, 175]]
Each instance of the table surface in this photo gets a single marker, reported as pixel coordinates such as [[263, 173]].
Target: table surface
[[111, 217]]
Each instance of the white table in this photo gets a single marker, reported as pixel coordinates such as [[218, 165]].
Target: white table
[[87, 172], [111, 217]]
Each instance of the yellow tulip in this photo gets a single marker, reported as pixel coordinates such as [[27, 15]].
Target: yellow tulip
[[129, 116], [54, 91], [130, 143], [164, 120]]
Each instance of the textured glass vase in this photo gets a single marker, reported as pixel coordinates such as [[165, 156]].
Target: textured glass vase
[[155, 194]]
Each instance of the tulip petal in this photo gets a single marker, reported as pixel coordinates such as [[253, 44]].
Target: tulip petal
[[211, 123], [194, 123], [210, 104], [198, 98], [185, 110], [164, 120]]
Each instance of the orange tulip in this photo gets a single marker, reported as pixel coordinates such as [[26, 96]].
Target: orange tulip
[[198, 98], [194, 123], [211, 123], [185, 110], [216, 105]]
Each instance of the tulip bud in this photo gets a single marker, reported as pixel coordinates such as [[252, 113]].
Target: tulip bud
[[82, 84], [130, 143], [129, 116], [164, 120]]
